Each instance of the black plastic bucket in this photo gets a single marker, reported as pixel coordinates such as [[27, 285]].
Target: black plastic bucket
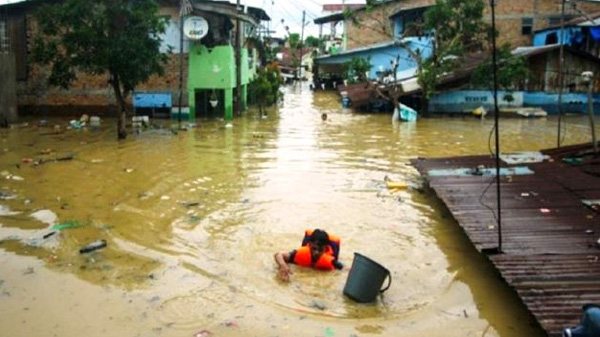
[[365, 279]]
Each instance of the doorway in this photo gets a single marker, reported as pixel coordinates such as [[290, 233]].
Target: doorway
[[204, 108]]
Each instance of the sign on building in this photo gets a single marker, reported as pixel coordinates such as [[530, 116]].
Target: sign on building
[[195, 27]]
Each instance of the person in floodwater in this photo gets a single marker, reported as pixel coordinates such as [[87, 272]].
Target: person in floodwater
[[319, 251]]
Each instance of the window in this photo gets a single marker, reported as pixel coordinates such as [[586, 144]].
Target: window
[[551, 38], [526, 26], [4, 41]]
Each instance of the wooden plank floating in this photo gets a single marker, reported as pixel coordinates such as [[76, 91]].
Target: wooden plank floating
[[550, 251]]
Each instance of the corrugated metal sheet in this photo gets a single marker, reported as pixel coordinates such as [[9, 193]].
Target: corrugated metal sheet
[[550, 255], [360, 94]]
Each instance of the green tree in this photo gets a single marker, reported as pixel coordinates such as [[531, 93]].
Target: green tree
[[355, 69], [458, 29], [312, 41], [264, 88], [118, 38], [511, 70], [294, 40]]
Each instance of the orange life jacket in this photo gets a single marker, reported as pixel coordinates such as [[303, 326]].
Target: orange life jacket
[[303, 257], [334, 242]]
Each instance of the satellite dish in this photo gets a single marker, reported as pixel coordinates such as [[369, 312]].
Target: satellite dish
[[195, 27]]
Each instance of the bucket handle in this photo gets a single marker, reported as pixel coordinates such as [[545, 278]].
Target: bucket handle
[[389, 282]]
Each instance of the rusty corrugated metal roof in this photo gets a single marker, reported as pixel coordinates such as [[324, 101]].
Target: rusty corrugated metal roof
[[550, 255]]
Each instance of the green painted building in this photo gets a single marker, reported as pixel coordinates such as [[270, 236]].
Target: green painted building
[[212, 78]]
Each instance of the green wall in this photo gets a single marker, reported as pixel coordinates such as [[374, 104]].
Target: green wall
[[215, 69]]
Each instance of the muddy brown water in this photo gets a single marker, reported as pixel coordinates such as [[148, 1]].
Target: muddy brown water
[[192, 221]]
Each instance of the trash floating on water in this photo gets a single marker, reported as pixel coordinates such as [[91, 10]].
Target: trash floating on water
[[318, 305], [481, 112], [67, 225], [93, 246], [7, 196], [396, 185], [48, 235], [75, 124], [68, 156], [189, 204]]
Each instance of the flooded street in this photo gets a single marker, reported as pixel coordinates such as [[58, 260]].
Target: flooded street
[[192, 221]]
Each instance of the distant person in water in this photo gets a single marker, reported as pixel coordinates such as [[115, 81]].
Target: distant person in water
[[319, 251], [324, 116]]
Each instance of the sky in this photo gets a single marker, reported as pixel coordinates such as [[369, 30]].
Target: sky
[[288, 10], [291, 12]]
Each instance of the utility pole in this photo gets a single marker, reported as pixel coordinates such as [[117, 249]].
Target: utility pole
[[301, 45], [496, 123], [561, 62], [238, 61], [185, 8]]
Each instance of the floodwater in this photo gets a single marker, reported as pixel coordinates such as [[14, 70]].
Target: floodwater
[[192, 221]]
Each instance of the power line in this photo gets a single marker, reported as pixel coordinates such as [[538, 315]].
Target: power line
[[303, 9]]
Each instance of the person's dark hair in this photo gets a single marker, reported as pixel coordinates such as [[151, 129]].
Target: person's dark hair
[[320, 237]]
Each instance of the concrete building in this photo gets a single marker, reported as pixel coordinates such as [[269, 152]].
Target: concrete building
[[516, 21], [209, 64]]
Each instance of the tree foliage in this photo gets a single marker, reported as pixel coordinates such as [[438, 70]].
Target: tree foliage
[[355, 69], [511, 69], [458, 28], [312, 41], [294, 40], [118, 38], [263, 90]]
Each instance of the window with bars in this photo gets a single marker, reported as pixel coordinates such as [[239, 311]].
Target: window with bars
[[4, 41]]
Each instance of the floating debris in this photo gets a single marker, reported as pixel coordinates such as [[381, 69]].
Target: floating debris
[[189, 204], [93, 246], [48, 235], [318, 305], [68, 225], [68, 156], [7, 196]]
